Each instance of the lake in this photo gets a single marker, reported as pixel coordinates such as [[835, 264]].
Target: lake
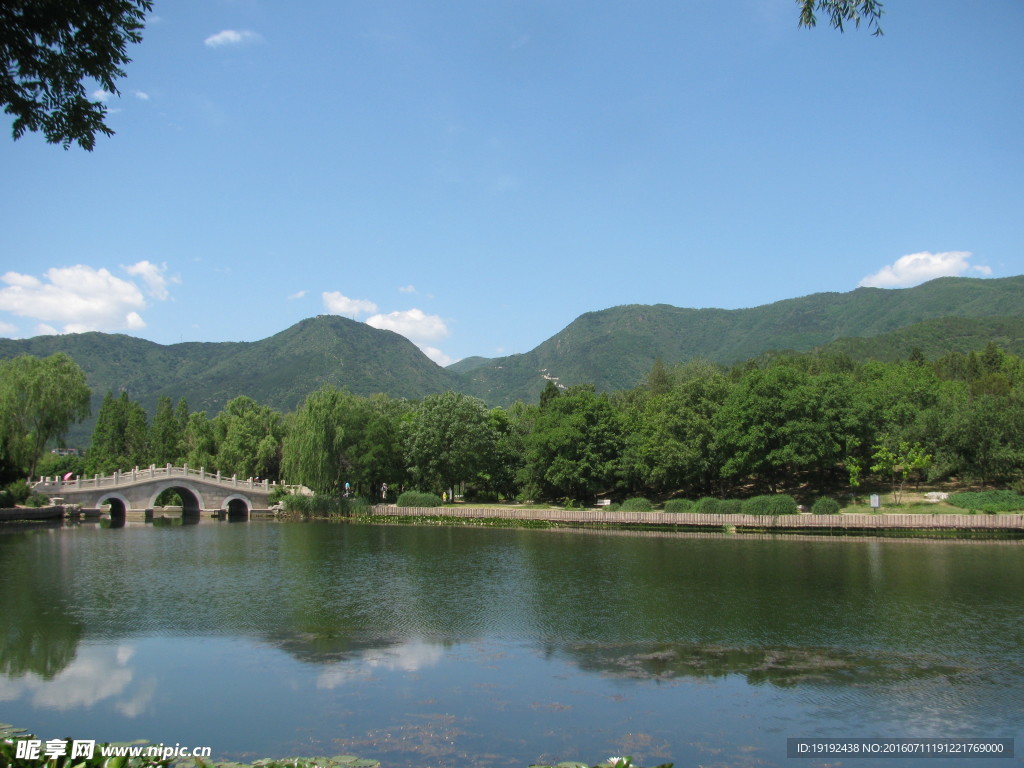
[[447, 646]]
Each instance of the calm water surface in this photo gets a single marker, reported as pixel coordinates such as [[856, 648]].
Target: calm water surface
[[424, 646]]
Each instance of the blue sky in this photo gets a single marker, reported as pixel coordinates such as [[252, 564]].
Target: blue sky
[[476, 174]]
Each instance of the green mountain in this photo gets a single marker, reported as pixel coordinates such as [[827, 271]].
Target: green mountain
[[278, 371], [614, 348], [935, 338]]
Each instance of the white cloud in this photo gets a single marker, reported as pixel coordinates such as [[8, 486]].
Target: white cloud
[[142, 95], [437, 355], [231, 37], [102, 95], [407, 289], [338, 304], [414, 324], [80, 298], [418, 327], [6, 329], [94, 675], [407, 657], [916, 268], [296, 295], [153, 276]]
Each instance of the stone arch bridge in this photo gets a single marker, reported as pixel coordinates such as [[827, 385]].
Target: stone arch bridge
[[201, 492]]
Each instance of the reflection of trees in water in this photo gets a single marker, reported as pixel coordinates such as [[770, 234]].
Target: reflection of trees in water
[[780, 667], [40, 631]]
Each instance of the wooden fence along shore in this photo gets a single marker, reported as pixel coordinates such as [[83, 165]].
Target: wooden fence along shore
[[852, 522]]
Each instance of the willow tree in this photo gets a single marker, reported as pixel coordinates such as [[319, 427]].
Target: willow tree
[[39, 399], [841, 13], [314, 451]]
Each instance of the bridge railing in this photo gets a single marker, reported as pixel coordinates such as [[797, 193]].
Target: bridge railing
[[51, 485]]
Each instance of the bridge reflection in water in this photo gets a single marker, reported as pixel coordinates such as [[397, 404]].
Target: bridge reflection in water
[[136, 491]]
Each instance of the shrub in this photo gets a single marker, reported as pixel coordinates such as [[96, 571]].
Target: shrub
[[419, 499], [278, 493], [17, 492], [37, 500], [770, 504], [707, 505], [679, 505], [325, 506], [757, 505], [825, 506], [638, 504], [783, 504], [988, 501], [730, 506]]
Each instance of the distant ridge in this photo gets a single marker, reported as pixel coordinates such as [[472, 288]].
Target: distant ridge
[[612, 348], [278, 371]]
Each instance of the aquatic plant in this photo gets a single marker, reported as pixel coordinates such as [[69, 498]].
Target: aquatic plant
[[988, 501]]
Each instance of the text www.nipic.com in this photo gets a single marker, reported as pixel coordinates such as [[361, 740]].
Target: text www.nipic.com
[[155, 750]]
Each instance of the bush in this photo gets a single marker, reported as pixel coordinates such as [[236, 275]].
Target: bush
[[17, 492], [418, 499], [770, 504], [679, 505], [730, 506], [988, 501], [757, 505], [707, 505], [325, 506], [825, 506], [783, 504], [638, 504]]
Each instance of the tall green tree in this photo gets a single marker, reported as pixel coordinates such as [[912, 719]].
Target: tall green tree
[[199, 442], [448, 440], [165, 434], [314, 451], [53, 51], [39, 399], [373, 443], [249, 439], [573, 449], [120, 439], [669, 440], [780, 422]]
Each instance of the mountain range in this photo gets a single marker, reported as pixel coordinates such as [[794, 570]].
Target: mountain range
[[612, 348]]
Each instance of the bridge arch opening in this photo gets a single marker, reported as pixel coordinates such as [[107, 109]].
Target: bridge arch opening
[[118, 510], [188, 499], [238, 510]]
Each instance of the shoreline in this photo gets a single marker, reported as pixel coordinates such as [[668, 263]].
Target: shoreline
[[935, 524]]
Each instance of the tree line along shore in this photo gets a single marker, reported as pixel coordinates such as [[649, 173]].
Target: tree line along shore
[[808, 426]]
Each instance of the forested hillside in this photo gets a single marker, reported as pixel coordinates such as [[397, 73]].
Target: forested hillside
[[809, 424], [278, 371], [611, 349], [614, 347]]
